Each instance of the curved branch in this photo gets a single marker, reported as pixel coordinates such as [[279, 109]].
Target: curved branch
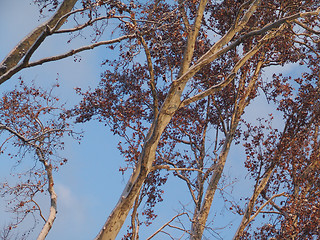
[[48, 168], [81, 49], [23, 65], [23, 47], [231, 76], [265, 204], [40, 212], [216, 51]]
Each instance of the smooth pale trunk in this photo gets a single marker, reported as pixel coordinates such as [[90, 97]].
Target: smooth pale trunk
[[199, 221]]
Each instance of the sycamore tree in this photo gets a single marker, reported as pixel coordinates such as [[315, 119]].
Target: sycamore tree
[[176, 88], [33, 124]]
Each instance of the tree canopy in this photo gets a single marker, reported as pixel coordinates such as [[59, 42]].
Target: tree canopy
[[176, 84]]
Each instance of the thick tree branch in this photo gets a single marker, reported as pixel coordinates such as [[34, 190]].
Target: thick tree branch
[[23, 65], [23, 47], [201, 217], [231, 76], [216, 50], [237, 27], [53, 197], [167, 110], [191, 39], [134, 218]]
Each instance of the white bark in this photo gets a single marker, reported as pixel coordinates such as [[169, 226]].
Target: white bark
[[201, 216], [53, 200], [116, 219], [169, 107]]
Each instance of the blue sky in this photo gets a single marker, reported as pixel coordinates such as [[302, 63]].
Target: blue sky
[[88, 186], [85, 186]]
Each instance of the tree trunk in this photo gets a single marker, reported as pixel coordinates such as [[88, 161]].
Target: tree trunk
[[172, 102], [199, 221], [53, 208], [116, 219]]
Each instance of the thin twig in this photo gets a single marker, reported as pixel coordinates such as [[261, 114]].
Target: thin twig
[[166, 224]]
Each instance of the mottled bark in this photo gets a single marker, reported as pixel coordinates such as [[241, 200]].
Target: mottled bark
[[53, 199], [171, 104], [22, 48], [200, 217], [199, 220]]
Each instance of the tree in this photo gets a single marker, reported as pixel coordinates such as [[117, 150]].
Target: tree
[[187, 70], [32, 122]]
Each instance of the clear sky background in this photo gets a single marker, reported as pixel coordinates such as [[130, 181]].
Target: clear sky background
[[89, 185]]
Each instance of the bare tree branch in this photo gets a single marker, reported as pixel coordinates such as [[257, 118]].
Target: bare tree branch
[[231, 76], [166, 224], [306, 27], [265, 204], [167, 167], [23, 47], [23, 65]]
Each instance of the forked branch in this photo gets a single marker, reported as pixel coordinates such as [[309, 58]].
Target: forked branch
[[164, 225]]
